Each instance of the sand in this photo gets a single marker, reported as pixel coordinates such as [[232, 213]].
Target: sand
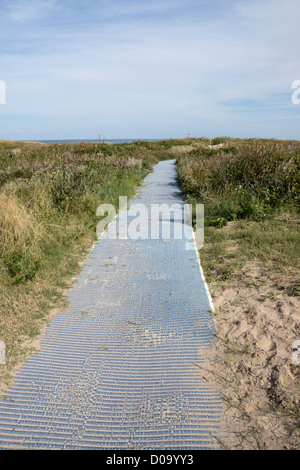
[[256, 362]]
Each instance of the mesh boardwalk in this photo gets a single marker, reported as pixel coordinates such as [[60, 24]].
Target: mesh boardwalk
[[118, 370]]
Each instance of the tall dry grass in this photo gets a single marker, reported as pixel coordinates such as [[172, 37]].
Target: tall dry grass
[[20, 239]]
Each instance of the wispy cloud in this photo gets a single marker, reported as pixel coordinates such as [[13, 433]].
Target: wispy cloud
[[134, 68], [24, 11]]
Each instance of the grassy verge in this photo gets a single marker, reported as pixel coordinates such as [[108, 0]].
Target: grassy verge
[[253, 185], [48, 200], [250, 189]]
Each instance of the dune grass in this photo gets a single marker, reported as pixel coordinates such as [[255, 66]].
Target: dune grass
[[254, 185], [48, 199]]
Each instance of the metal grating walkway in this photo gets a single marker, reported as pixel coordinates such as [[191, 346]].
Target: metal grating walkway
[[118, 370]]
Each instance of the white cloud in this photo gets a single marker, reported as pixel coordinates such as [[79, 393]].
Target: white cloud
[[147, 67], [30, 10]]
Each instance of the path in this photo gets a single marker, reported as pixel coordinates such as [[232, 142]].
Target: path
[[118, 370]]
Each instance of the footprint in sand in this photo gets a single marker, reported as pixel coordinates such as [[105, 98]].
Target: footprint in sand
[[265, 343]]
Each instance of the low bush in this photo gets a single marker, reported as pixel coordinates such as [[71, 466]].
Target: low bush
[[245, 179]]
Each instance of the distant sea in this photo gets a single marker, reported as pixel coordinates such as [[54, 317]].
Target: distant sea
[[113, 141]]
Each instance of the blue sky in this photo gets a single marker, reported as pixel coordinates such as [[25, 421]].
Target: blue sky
[[149, 69]]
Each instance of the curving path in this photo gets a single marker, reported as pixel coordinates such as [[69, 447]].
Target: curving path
[[118, 370]]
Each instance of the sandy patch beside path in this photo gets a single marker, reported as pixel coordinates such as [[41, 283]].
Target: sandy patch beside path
[[254, 365]]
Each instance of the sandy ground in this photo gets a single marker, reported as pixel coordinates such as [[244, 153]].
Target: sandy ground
[[254, 363]]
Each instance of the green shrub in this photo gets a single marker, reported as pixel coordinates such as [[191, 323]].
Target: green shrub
[[246, 179]]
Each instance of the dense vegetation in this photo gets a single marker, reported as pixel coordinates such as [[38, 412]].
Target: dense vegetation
[[49, 195], [253, 185], [243, 179], [48, 200]]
